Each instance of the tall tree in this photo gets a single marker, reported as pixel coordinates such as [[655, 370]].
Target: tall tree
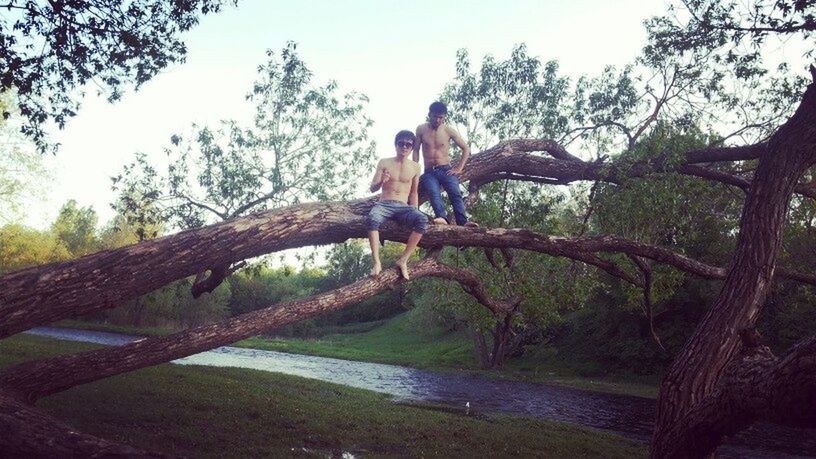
[[724, 378], [23, 176], [76, 227], [307, 142], [50, 50]]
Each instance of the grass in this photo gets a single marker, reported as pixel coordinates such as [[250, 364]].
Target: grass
[[407, 340], [218, 412]]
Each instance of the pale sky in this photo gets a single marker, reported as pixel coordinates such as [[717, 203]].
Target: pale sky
[[399, 53]]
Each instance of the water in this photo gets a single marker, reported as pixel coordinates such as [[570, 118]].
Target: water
[[628, 415]]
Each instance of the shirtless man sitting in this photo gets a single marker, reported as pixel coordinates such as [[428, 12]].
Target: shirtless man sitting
[[399, 179], [434, 138]]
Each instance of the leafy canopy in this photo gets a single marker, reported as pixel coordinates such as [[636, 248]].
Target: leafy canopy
[[49, 51], [306, 142]]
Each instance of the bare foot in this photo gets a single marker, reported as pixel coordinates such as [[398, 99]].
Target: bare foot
[[376, 269], [471, 225], [440, 221], [403, 268]]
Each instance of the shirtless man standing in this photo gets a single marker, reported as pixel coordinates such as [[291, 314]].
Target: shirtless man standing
[[434, 137], [399, 179]]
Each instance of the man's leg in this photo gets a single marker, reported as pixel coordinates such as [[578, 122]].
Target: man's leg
[[429, 184], [376, 216], [418, 222], [451, 185], [410, 246], [374, 242]]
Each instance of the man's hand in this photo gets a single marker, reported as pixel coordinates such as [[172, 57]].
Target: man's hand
[[455, 171], [386, 175]]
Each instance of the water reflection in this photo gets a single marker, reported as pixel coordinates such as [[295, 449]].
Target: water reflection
[[632, 416]]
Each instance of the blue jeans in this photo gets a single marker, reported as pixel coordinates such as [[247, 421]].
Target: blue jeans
[[402, 213], [431, 184]]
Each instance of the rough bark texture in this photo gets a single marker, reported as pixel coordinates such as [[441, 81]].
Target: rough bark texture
[[103, 280], [689, 386], [32, 380]]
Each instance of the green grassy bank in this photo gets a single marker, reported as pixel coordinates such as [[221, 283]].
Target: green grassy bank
[[408, 340], [204, 412]]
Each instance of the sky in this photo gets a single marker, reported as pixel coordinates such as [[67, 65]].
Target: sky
[[399, 53]]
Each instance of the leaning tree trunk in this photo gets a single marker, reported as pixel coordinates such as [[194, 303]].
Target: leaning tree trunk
[[691, 383]]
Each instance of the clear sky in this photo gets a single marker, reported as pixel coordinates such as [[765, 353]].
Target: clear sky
[[399, 53]]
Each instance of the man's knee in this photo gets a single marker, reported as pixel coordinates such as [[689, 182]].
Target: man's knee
[[419, 222], [452, 188], [374, 220]]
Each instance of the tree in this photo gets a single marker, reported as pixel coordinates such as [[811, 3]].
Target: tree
[[150, 264], [722, 381], [22, 172], [49, 51], [724, 362], [307, 142], [22, 247], [76, 227]]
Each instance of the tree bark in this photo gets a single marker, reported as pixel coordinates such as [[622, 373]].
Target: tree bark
[[33, 380], [690, 383], [48, 293]]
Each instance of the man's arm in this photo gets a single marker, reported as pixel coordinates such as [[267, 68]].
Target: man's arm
[[417, 144], [413, 195], [460, 142], [378, 179]]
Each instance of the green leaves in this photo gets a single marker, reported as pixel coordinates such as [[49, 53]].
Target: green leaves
[[50, 50], [518, 97], [306, 142]]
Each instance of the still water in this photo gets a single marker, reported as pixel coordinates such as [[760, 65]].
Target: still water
[[628, 415]]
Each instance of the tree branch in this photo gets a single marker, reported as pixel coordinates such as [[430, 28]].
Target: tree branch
[[105, 279], [33, 380]]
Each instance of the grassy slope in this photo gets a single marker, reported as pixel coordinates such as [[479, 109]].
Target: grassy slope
[[202, 412], [407, 340]]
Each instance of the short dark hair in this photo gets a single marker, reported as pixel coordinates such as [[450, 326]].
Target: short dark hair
[[438, 108], [405, 135]]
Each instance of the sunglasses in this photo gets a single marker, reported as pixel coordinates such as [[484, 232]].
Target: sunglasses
[[405, 144]]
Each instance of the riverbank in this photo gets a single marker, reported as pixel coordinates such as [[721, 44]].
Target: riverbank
[[207, 412], [405, 340]]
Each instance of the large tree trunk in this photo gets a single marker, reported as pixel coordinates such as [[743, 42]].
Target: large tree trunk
[[691, 380]]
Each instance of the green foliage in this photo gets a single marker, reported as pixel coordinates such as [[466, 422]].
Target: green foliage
[[76, 227], [23, 175], [171, 306], [673, 210], [261, 287], [716, 52], [50, 50], [307, 142], [348, 262], [518, 97], [22, 247]]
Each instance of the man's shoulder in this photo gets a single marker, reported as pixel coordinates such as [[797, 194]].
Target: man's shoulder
[[421, 128]]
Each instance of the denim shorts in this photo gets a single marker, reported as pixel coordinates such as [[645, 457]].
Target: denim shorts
[[399, 212]]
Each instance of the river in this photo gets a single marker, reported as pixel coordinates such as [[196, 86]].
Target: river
[[628, 415]]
